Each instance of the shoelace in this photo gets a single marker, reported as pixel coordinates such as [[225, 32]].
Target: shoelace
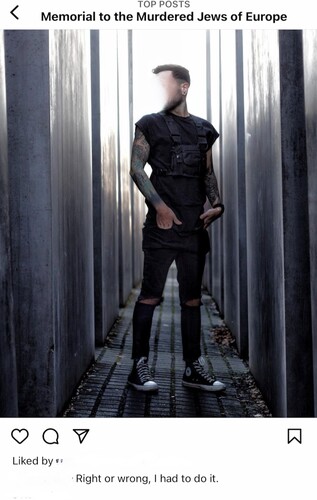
[[201, 371], [143, 371]]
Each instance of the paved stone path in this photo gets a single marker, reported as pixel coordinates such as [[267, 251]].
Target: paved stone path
[[104, 392]]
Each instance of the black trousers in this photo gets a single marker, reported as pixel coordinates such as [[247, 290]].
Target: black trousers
[[190, 268]]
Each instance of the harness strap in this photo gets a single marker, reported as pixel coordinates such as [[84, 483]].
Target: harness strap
[[175, 134], [173, 129]]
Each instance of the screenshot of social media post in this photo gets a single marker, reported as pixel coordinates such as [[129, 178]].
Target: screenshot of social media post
[[158, 265]]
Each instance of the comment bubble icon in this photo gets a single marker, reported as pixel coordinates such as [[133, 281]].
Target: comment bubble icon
[[50, 436]]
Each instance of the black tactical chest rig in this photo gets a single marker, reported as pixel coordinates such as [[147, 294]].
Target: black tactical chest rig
[[186, 160]]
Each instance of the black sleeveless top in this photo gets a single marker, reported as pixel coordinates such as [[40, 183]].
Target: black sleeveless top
[[178, 170]]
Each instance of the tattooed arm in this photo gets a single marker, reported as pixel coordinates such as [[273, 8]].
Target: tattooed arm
[[212, 193], [140, 154], [211, 184]]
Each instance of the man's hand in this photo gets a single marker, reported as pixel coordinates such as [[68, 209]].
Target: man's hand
[[165, 217], [211, 215]]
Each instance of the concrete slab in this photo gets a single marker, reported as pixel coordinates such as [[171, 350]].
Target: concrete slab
[[105, 180], [310, 78], [8, 378], [49, 153]]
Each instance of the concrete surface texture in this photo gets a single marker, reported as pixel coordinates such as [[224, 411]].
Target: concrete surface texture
[[299, 356], [275, 241], [264, 196], [72, 212], [49, 123], [124, 145], [105, 183], [138, 208], [310, 79], [233, 188], [215, 259], [28, 104], [8, 379]]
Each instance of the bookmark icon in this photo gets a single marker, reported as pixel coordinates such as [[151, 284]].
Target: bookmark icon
[[294, 435]]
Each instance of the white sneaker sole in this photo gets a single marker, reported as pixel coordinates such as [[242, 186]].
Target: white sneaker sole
[[211, 388], [144, 388]]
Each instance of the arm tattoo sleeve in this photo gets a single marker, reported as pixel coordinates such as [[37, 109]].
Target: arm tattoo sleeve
[[139, 157], [211, 184]]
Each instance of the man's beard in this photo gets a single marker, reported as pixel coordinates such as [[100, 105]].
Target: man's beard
[[170, 105]]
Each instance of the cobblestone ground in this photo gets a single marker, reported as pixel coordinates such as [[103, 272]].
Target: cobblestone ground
[[103, 391]]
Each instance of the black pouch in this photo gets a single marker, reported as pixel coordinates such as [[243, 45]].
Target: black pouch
[[186, 161]]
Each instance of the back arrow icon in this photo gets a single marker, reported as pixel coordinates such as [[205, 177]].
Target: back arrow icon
[[12, 11]]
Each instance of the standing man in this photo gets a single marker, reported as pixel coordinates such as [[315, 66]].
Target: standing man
[[177, 145]]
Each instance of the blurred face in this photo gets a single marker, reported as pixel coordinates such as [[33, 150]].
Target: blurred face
[[174, 92]]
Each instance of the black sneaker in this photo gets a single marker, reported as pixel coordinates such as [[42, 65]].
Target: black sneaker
[[196, 376], [140, 377]]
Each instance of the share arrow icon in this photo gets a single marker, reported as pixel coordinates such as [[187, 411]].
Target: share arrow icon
[[81, 433]]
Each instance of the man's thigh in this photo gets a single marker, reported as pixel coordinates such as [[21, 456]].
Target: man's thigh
[[156, 266], [190, 269]]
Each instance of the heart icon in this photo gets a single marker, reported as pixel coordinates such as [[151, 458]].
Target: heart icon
[[20, 435]]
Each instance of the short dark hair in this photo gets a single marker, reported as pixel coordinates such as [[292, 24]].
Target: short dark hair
[[178, 72]]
